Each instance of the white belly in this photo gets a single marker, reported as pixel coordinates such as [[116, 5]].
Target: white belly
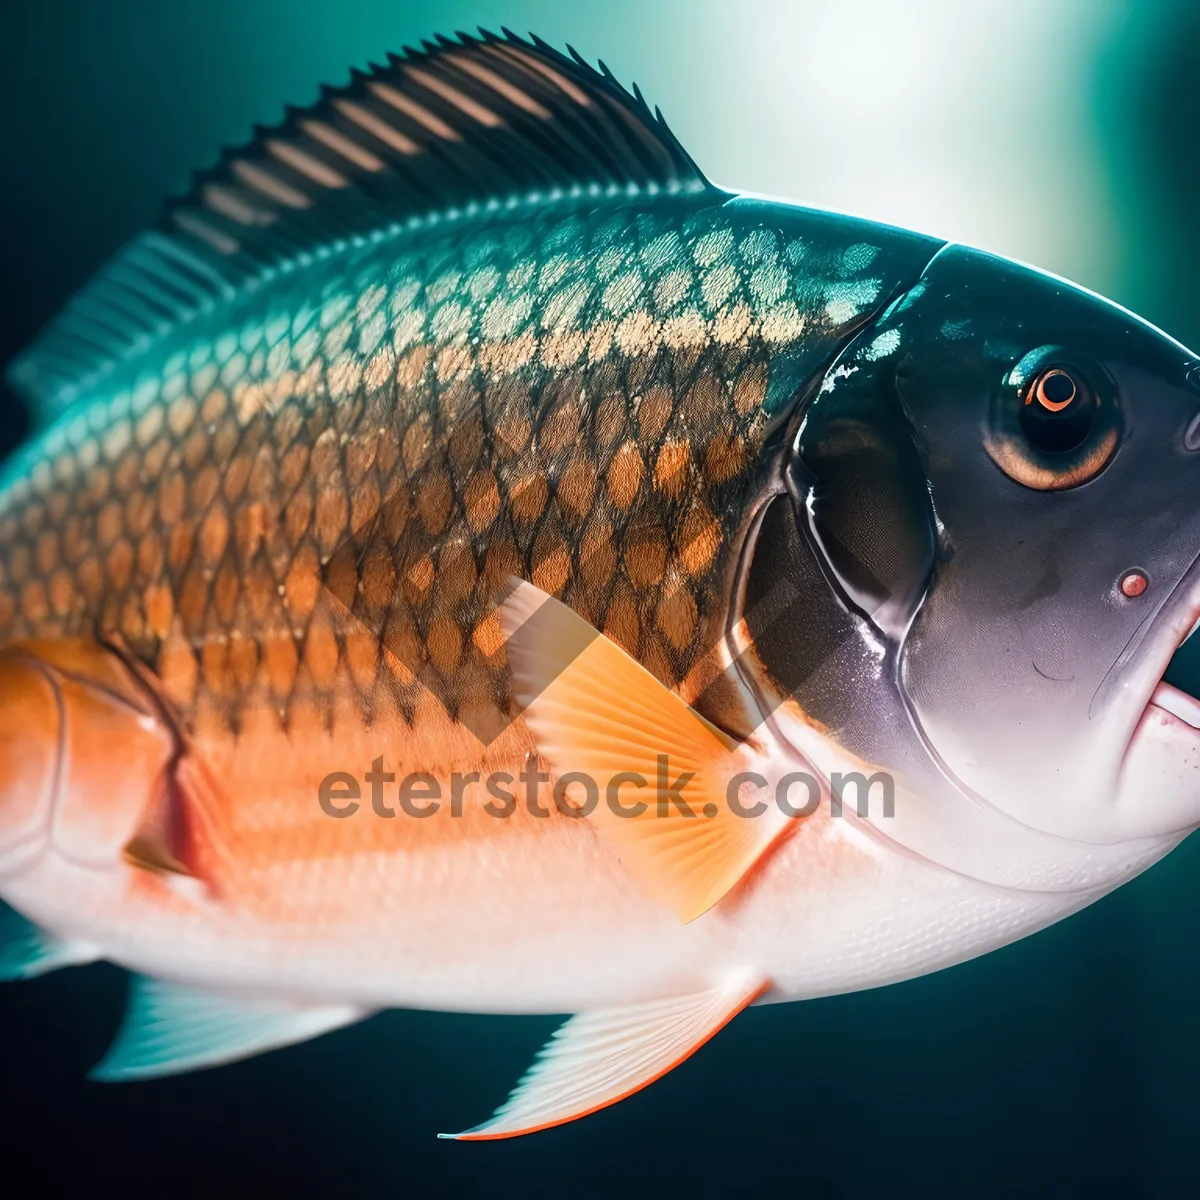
[[832, 911]]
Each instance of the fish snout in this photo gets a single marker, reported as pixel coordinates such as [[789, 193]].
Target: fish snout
[[83, 753]]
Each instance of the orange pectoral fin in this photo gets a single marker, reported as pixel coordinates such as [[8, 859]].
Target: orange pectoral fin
[[667, 797], [598, 1058]]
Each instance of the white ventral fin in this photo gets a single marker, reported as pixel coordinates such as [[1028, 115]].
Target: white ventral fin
[[170, 1029], [594, 710], [598, 1058], [26, 951]]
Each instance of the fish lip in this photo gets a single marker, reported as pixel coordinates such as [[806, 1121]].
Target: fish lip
[[1147, 659], [1182, 707]]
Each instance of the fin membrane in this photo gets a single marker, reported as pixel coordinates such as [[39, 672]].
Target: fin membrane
[[170, 1029], [27, 952], [594, 710], [463, 124], [598, 1058]]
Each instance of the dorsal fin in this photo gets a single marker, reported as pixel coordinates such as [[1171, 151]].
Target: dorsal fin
[[457, 127]]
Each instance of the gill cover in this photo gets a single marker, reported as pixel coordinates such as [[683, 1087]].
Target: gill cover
[[861, 495]]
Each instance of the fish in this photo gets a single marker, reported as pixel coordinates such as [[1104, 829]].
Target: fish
[[470, 561]]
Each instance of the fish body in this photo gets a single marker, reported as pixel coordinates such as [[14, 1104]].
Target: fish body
[[396, 481], [305, 554]]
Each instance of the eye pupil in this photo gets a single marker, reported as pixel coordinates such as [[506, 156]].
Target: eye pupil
[[1058, 388], [1059, 411]]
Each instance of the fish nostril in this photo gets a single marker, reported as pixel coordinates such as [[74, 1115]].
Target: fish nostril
[[1133, 584]]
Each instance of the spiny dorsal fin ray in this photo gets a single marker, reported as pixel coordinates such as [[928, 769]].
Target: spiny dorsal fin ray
[[466, 124]]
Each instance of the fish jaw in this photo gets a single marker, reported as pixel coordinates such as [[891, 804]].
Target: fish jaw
[[1162, 764], [83, 755], [1159, 777]]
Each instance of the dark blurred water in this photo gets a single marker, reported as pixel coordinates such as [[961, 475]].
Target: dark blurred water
[[1065, 1064]]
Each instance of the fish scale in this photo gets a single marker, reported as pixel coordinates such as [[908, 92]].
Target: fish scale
[[336, 478]]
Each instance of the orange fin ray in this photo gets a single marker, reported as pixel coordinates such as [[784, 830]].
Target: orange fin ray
[[593, 709]]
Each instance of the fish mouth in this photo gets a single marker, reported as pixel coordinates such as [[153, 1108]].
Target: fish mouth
[[1158, 782]]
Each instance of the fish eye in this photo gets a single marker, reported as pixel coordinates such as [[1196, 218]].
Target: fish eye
[[1058, 409], [1055, 421]]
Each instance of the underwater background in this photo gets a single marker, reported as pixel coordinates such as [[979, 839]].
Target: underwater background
[[1059, 132]]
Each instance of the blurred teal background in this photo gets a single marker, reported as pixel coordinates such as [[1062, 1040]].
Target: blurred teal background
[[1059, 132]]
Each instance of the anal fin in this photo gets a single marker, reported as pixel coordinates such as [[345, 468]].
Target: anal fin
[[170, 1029], [598, 1058], [27, 951]]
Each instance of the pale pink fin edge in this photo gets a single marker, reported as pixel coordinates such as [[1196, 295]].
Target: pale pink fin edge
[[597, 1059]]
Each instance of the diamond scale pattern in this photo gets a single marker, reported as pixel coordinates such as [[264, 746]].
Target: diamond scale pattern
[[327, 481]]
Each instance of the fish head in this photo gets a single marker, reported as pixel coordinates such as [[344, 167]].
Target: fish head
[[1002, 476]]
